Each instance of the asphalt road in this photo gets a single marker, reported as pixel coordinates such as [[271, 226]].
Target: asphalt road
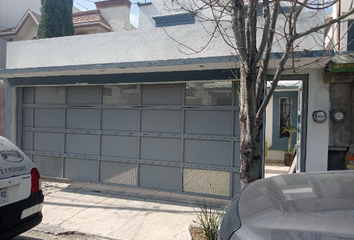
[[35, 235]]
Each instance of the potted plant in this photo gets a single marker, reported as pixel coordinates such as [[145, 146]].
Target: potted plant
[[289, 155]]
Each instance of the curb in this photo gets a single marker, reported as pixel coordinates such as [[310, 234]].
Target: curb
[[58, 231]]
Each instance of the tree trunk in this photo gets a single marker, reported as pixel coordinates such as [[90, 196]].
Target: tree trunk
[[251, 160]]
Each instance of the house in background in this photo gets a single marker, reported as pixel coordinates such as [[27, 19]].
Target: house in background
[[110, 16], [281, 111], [11, 12]]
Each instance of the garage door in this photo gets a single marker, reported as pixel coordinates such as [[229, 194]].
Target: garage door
[[178, 137]]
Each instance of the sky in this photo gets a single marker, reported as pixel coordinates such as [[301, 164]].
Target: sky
[[86, 5]]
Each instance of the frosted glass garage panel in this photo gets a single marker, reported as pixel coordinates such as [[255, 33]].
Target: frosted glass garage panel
[[48, 118], [81, 169], [162, 94], [237, 161], [163, 149], [83, 95], [27, 140], [28, 95], [160, 177], [27, 117], [217, 93], [161, 121], [85, 144], [206, 182], [207, 152], [119, 173], [119, 95], [77, 118], [120, 120], [208, 122], [50, 95], [49, 166], [119, 146], [48, 142]]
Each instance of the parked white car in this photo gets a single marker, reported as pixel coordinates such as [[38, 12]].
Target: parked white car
[[304, 206], [21, 197]]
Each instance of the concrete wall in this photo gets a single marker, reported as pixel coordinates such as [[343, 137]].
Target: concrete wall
[[269, 124], [114, 47], [11, 11], [2, 87], [3, 46], [317, 133], [131, 46], [2, 108]]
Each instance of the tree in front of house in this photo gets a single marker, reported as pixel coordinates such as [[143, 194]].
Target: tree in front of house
[[56, 19], [237, 22]]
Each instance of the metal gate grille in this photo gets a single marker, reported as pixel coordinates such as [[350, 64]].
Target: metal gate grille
[[176, 137]]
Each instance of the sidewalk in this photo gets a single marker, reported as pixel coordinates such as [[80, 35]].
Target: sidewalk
[[275, 168], [118, 212]]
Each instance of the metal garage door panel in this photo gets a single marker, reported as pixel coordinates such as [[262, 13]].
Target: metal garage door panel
[[206, 182], [48, 118], [237, 161], [27, 140], [119, 95], [49, 142], [27, 117], [162, 94], [83, 95], [82, 119], [161, 121], [236, 183], [207, 152], [85, 144], [81, 169], [49, 166], [120, 120], [119, 146], [208, 122], [50, 95], [163, 149], [28, 95], [160, 177], [116, 172]]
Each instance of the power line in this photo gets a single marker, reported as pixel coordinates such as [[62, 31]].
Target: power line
[[81, 5]]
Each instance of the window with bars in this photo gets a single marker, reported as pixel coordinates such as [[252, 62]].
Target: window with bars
[[284, 115]]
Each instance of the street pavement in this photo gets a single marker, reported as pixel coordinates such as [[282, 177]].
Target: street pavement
[[87, 211], [115, 212]]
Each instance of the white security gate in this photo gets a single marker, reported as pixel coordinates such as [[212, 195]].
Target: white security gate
[[176, 137]]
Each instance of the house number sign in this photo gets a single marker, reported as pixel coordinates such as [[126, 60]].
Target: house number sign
[[319, 116]]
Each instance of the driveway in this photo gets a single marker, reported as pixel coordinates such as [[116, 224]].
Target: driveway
[[117, 212]]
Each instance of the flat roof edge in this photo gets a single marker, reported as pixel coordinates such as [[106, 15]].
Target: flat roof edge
[[6, 73]]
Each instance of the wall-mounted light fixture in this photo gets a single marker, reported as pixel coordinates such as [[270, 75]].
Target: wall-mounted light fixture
[[319, 116], [337, 116]]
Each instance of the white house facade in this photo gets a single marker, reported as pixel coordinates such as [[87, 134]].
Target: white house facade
[[132, 108]]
